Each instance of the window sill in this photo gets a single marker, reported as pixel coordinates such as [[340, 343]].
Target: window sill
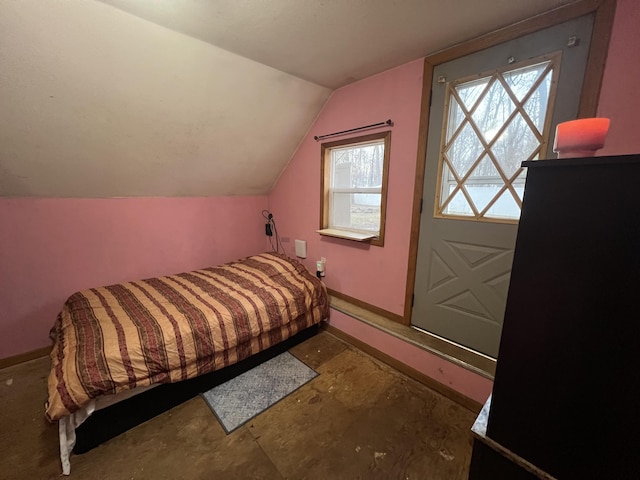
[[355, 236]]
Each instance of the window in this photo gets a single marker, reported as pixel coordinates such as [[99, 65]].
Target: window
[[492, 124], [354, 188]]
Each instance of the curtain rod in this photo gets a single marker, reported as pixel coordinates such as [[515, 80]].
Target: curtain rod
[[357, 129]]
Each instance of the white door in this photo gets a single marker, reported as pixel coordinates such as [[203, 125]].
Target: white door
[[490, 111]]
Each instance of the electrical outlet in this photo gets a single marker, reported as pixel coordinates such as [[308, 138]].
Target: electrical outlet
[[320, 267]]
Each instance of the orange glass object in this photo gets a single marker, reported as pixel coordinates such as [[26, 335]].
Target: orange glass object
[[580, 138]]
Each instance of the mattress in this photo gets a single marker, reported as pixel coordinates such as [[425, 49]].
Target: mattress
[[121, 337]]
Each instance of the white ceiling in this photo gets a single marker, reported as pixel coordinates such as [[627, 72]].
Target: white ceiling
[[196, 97], [95, 102], [334, 42]]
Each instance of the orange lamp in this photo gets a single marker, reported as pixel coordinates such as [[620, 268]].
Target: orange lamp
[[580, 138]]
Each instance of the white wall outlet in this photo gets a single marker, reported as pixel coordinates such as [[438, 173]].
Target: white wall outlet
[[301, 248]]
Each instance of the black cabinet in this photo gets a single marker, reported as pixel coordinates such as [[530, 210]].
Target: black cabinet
[[566, 394]]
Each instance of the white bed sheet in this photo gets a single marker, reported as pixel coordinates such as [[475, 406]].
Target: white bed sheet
[[67, 425]]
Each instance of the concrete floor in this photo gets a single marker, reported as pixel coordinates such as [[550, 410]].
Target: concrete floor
[[359, 419]]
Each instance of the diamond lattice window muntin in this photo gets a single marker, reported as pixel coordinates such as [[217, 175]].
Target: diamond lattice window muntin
[[492, 123]]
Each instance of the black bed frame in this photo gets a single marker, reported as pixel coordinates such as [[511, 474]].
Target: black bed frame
[[110, 422]]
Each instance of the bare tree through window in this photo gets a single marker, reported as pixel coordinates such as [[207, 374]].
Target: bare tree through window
[[359, 168], [493, 123]]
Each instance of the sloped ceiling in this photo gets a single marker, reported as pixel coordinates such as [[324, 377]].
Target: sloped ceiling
[[95, 102], [194, 97], [335, 42]]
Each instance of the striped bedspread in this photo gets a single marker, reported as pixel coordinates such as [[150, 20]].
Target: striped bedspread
[[167, 329]]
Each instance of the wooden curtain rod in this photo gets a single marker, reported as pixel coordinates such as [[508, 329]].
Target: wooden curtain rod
[[357, 129]]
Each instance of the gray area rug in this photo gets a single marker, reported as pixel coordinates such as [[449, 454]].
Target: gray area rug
[[240, 399]]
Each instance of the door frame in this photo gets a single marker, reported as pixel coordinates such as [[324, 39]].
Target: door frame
[[604, 13]]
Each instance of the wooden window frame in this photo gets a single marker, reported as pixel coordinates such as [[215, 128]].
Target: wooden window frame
[[507, 181], [325, 182]]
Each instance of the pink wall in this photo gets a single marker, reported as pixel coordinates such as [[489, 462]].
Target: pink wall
[[50, 248], [376, 275], [620, 100], [460, 379]]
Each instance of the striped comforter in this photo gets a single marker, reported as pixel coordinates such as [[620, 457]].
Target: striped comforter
[[167, 329]]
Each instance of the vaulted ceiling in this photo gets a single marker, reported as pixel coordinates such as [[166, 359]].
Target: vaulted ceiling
[[194, 97]]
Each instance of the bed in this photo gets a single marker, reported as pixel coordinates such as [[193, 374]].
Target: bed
[[114, 342]]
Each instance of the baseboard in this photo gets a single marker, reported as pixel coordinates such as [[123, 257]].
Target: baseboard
[[24, 357], [433, 384], [367, 306]]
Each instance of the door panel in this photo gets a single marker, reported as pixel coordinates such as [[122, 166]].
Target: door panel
[[463, 267], [467, 282]]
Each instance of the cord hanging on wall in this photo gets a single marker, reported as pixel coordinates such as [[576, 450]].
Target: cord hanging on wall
[[357, 129], [270, 229]]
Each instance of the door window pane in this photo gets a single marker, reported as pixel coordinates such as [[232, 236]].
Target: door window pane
[[536, 105], [515, 145], [464, 150], [493, 111], [492, 125], [504, 207]]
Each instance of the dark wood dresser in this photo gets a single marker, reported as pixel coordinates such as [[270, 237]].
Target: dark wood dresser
[[566, 397]]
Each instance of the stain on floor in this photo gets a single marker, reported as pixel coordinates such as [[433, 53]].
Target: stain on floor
[[359, 419]]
